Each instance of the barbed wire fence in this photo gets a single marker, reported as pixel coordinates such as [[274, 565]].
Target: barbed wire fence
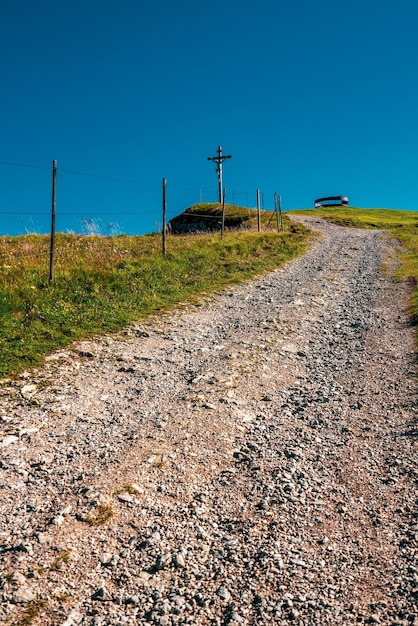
[[58, 190]]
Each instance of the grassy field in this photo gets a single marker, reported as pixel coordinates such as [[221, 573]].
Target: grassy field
[[103, 283], [402, 224]]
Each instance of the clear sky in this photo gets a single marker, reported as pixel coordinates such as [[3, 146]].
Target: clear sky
[[311, 98]]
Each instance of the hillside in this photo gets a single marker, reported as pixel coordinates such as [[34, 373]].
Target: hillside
[[246, 461], [207, 217]]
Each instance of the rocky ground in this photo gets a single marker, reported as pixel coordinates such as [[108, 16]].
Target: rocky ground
[[246, 461]]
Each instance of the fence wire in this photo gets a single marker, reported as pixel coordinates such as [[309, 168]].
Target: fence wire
[[118, 195]]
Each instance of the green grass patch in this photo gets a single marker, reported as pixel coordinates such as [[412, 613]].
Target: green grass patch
[[30, 613], [104, 283], [63, 557], [102, 514], [402, 224]]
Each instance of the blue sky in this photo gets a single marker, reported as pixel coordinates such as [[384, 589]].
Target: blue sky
[[310, 99]]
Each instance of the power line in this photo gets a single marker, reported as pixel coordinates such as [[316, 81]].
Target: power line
[[36, 167], [122, 180], [67, 214], [22, 213], [105, 177], [115, 212]]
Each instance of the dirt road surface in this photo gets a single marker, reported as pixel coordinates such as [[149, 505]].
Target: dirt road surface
[[246, 461]]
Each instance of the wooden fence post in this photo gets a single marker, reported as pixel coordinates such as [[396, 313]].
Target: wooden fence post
[[258, 210], [276, 209], [281, 214], [164, 233], [223, 213], [53, 212]]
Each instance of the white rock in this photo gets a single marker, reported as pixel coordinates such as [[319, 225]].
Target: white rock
[[23, 594], [106, 558], [66, 511], [19, 578], [74, 618], [290, 347], [8, 440], [28, 391], [178, 560], [137, 488], [125, 497], [223, 593]]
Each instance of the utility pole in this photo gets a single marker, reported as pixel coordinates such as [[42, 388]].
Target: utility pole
[[219, 159]]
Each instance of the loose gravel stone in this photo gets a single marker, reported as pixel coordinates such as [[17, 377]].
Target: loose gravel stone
[[223, 593]]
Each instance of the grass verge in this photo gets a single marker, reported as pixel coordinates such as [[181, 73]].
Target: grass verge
[[104, 283]]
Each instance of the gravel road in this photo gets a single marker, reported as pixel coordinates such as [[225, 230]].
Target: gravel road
[[246, 461]]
